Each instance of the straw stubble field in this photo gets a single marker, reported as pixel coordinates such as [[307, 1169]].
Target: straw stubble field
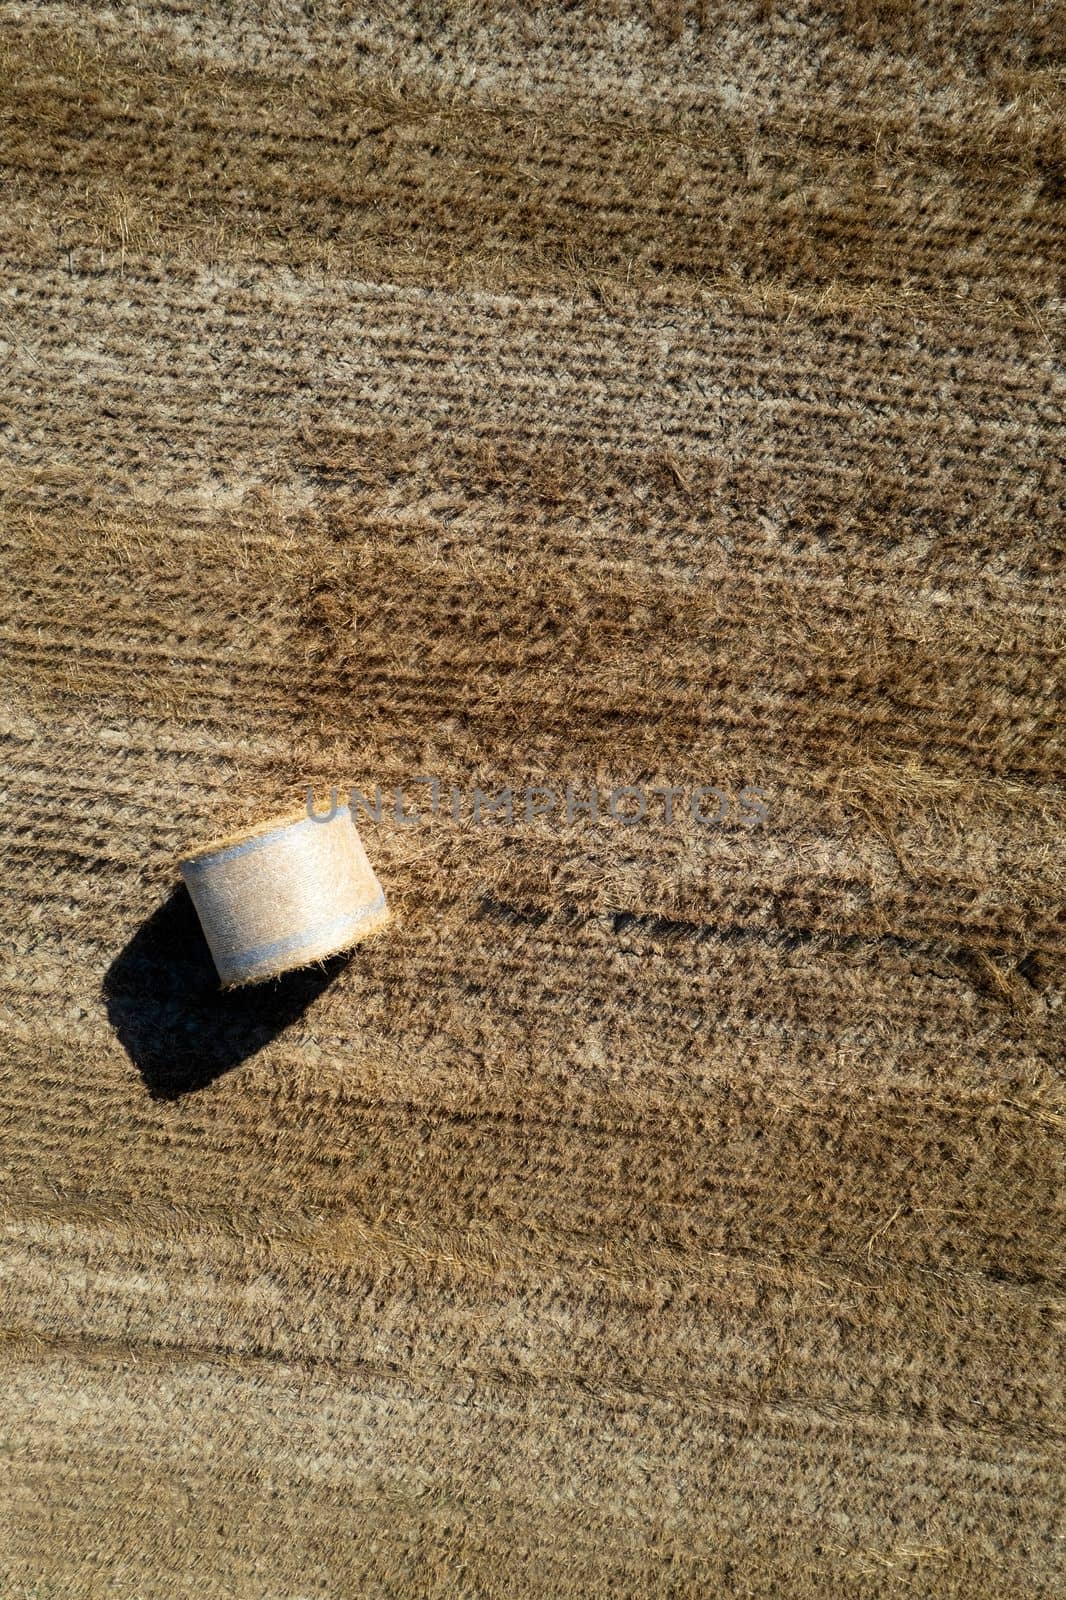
[[591, 395]]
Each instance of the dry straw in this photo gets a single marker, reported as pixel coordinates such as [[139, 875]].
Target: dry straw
[[284, 894]]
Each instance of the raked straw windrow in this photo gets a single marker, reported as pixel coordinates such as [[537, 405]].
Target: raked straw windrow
[[284, 894]]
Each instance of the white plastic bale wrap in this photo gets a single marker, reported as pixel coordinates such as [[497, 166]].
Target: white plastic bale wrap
[[284, 895]]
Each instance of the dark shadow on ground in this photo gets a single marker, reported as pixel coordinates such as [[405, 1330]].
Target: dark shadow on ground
[[178, 1027]]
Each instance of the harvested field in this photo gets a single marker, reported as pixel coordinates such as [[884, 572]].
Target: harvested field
[[528, 397]]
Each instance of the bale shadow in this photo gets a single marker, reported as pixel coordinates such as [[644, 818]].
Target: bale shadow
[[179, 1028]]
